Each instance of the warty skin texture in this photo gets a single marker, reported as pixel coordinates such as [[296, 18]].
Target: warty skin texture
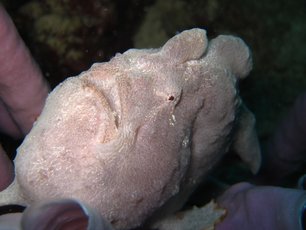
[[138, 133]]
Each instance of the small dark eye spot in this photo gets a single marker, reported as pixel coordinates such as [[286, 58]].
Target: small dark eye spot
[[171, 98]]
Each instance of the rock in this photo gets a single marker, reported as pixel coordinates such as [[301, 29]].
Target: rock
[[203, 218]]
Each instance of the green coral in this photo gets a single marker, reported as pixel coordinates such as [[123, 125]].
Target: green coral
[[162, 20], [56, 28], [57, 32], [33, 9]]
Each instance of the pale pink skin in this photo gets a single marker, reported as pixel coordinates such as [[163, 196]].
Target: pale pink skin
[[22, 90], [183, 65]]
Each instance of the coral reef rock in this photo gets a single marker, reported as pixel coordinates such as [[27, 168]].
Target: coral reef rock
[[137, 134]]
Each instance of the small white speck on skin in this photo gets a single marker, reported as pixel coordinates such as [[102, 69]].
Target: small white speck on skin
[[172, 120], [185, 142]]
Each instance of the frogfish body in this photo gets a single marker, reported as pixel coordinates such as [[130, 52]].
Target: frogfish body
[[137, 134]]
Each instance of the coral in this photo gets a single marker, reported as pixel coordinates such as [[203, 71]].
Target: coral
[[60, 27]]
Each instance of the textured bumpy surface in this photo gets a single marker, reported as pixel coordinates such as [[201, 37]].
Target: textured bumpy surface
[[204, 218], [138, 133]]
